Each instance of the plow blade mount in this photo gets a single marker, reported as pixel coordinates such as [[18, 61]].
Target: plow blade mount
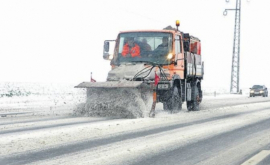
[[128, 99]]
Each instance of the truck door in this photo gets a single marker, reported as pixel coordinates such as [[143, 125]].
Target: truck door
[[179, 67]]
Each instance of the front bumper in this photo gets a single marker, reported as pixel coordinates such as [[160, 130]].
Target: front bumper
[[256, 94]]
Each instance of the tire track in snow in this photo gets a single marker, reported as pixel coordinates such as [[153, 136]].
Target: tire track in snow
[[218, 103], [49, 126], [35, 120], [85, 145]]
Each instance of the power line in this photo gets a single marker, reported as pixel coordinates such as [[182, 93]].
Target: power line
[[143, 16], [235, 70]]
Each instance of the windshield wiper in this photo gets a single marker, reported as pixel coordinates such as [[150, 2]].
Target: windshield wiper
[[153, 64]]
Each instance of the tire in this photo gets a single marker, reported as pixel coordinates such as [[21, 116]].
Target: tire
[[193, 105], [189, 105], [165, 106], [175, 102]]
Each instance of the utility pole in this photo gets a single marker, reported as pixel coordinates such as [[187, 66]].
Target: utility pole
[[236, 48]]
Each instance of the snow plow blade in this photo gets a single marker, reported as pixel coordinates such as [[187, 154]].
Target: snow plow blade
[[117, 84], [128, 99]]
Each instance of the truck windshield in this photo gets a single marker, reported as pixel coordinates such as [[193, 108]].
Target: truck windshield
[[144, 46]]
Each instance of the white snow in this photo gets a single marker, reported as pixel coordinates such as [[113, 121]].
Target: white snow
[[52, 112], [39, 99]]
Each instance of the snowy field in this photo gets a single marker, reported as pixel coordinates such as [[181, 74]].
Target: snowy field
[[39, 98]]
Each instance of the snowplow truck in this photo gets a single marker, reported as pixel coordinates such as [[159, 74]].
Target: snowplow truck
[[148, 67]]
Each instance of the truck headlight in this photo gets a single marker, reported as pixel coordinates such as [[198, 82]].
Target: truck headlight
[[163, 86], [261, 91], [252, 91], [169, 56]]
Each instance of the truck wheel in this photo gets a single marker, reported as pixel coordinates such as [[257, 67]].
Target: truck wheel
[[189, 105], [165, 106], [175, 103], [193, 105]]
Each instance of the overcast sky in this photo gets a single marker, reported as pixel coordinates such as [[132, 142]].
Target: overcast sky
[[62, 40]]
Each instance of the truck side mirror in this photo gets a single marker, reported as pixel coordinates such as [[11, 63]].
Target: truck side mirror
[[106, 46], [186, 46], [107, 53], [186, 42]]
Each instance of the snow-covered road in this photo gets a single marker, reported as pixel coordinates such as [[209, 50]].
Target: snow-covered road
[[229, 129]]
